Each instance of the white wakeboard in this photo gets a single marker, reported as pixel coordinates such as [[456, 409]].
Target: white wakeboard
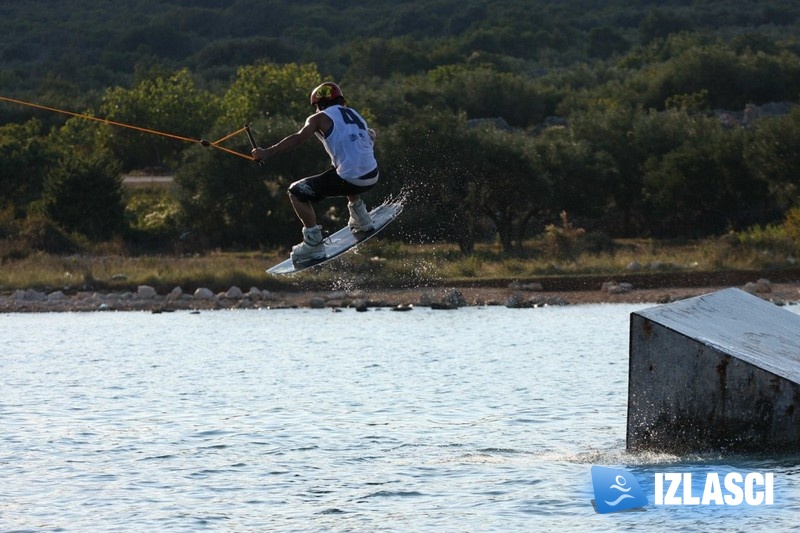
[[343, 240]]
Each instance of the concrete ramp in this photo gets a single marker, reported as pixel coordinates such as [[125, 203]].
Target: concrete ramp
[[715, 372]]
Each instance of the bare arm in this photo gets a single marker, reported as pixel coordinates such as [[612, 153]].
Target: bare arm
[[317, 122]]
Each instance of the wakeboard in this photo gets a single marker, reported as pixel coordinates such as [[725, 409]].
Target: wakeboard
[[343, 240]]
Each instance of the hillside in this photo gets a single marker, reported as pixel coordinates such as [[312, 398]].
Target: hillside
[[571, 123], [66, 48]]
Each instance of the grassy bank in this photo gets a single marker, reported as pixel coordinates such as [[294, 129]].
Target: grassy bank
[[385, 263]]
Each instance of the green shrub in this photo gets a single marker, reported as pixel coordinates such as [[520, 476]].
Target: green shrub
[[154, 212], [770, 237], [562, 243], [41, 234], [84, 195], [792, 226], [597, 242]]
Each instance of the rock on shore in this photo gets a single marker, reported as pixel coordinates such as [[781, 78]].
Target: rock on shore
[[515, 295]]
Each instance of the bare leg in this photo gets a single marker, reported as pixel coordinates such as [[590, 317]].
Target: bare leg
[[305, 212]]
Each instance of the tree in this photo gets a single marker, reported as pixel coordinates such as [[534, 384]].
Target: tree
[[774, 156], [267, 90], [659, 24], [220, 59], [83, 193], [433, 157], [608, 130], [224, 202], [730, 78], [483, 92], [228, 201], [385, 58], [701, 186], [456, 177], [573, 176], [512, 189], [164, 104], [604, 42], [24, 157]]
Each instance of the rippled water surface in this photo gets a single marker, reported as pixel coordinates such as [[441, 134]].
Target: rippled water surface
[[479, 419]]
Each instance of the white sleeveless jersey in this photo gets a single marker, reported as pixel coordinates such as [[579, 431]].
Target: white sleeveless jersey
[[349, 145]]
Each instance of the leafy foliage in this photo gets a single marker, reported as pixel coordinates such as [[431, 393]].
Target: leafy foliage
[[24, 159], [170, 103], [266, 89], [774, 156], [84, 194], [675, 120]]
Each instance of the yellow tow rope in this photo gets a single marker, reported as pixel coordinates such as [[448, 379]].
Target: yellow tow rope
[[203, 142]]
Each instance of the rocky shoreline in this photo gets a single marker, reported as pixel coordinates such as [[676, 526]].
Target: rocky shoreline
[[514, 295]]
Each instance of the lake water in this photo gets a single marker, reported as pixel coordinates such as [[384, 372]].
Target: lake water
[[478, 419]]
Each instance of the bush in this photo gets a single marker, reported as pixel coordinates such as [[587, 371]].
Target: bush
[[598, 242], [153, 212], [39, 233], [792, 226], [772, 237], [84, 194], [9, 226], [563, 242]]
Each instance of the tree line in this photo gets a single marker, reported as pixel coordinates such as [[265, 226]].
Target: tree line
[[73, 50], [688, 135]]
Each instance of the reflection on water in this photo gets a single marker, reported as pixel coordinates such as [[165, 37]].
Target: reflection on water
[[471, 420]]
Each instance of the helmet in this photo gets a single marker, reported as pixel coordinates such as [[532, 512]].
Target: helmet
[[326, 91]]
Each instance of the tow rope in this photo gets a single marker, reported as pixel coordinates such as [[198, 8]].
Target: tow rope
[[202, 142]]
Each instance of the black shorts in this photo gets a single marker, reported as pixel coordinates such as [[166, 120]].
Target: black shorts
[[328, 185]]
